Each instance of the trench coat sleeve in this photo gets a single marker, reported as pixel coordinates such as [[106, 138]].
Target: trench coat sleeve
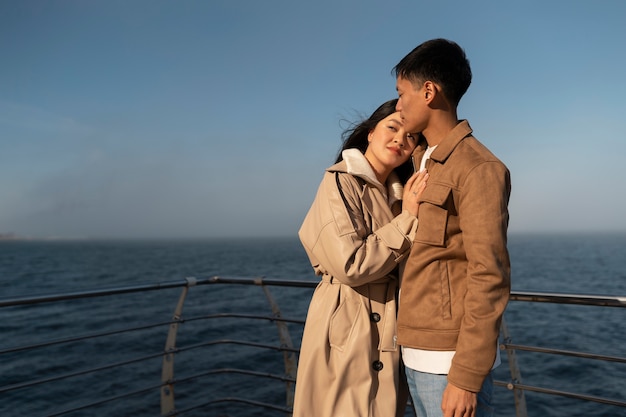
[[484, 221], [351, 233]]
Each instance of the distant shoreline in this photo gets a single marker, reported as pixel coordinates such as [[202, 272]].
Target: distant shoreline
[[12, 237]]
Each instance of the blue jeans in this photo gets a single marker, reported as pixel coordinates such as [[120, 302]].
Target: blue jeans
[[427, 391]]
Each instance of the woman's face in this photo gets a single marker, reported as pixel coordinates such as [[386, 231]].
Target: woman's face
[[389, 144]]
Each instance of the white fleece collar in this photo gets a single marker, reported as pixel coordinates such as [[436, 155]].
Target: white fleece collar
[[357, 165]]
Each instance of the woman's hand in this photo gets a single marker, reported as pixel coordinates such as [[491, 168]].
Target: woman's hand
[[413, 190]]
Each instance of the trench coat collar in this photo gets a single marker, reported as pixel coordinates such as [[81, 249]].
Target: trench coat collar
[[355, 163]]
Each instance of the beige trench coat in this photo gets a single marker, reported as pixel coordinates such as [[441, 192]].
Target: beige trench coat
[[349, 362]]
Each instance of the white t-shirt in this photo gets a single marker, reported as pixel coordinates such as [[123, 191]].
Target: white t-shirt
[[432, 361]]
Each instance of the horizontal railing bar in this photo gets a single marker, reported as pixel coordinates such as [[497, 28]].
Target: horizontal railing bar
[[9, 302], [89, 294], [104, 401], [243, 316], [264, 281], [283, 378], [231, 399], [563, 298], [148, 326], [234, 342], [545, 297], [563, 352], [82, 337], [73, 374], [592, 398]]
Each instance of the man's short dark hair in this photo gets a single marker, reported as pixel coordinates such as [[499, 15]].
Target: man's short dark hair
[[440, 61]]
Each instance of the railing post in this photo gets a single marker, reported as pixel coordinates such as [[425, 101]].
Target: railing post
[[516, 376], [167, 372], [291, 362]]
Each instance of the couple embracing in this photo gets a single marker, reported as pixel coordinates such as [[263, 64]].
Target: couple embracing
[[407, 306]]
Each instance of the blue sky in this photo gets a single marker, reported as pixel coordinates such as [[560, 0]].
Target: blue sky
[[217, 118]]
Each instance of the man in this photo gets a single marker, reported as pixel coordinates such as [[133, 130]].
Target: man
[[456, 282]]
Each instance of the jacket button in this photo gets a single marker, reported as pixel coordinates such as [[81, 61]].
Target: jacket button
[[375, 317], [377, 365]]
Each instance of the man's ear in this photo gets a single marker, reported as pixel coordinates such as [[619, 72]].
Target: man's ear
[[430, 90]]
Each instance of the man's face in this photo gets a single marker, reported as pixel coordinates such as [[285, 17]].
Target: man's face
[[411, 105]]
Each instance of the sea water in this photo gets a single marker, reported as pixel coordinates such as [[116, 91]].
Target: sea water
[[566, 263]]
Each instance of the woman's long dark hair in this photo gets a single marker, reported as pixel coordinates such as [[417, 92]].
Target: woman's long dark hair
[[356, 136]]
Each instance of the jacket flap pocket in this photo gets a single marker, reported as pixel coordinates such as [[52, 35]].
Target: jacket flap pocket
[[436, 194], [433, 215], [431, 229]]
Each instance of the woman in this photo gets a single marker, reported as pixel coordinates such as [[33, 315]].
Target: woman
[[356, 234]]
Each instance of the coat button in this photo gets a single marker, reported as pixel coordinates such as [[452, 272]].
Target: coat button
[[375, 317], [377, 365]]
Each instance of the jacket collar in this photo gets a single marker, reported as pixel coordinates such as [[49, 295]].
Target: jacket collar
[[355, 163], [452, 139]]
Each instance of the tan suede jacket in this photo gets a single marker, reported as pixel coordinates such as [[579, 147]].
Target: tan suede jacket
[[456, 282]]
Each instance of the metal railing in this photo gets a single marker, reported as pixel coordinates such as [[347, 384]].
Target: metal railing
[[172, 379], [507, 345]]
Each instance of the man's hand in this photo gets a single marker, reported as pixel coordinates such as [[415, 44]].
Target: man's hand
[[457, 402]]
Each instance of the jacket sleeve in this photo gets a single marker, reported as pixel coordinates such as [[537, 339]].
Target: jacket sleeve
[[484, 220], [338, 240]]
